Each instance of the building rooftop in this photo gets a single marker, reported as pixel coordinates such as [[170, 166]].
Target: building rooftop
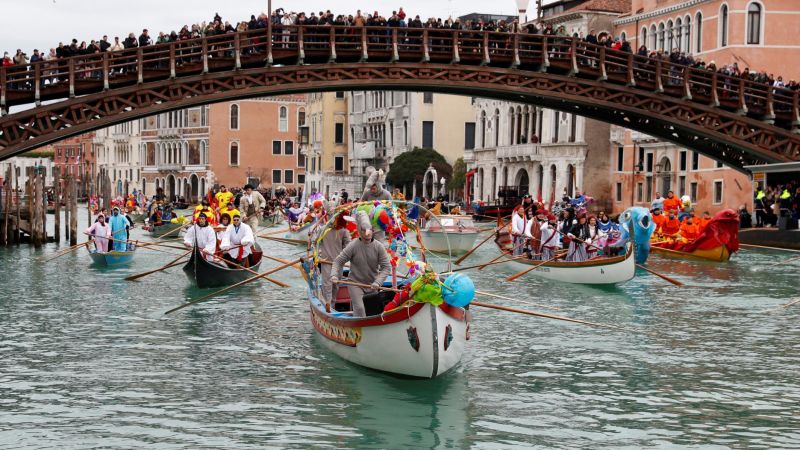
[[572, 6]]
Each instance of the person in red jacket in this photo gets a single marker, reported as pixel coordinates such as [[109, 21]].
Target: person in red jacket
[[689, 230], [672, 203], [672, 226], [659, 219]]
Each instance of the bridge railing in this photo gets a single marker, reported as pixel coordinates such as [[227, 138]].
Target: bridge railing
[[86, 74]]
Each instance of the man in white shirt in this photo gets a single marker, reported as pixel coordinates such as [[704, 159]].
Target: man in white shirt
[[237, 242], [520, 230], [203, 236]]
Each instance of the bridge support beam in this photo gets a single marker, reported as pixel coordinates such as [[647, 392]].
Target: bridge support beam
[[172, 61], [71, 70], [687, 85], [659, 75], [106, 72], [204, 52], [573, 58], [3, 106], [237, 50], [426, 50], [37, 80], [456, 56], [602, 65], [364, 51], [742, 104], [769, 116], [139, 65], [332, 56], [516, 61], [486, 59], [630, 78], [796, 112], [545, 55]]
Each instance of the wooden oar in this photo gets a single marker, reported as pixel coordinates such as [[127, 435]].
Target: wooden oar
[[791, 303], [784, 262], [279, 283], [367, 286], [172, 263], [489, 294], [273, 233], [770, 248], [548, 316], [519, 274], [178, 229], [490, 263], [65, 251], [286, 241], [233, 286], [481, 267], [466, 255]]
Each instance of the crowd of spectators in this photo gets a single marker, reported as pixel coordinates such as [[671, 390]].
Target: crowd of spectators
[[774, 202], [398, 18]]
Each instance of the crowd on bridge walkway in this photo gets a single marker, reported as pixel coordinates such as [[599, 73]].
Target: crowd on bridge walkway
[[398, 18], [776, 201]]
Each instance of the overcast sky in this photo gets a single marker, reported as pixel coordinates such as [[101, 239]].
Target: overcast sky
[[29, 24]]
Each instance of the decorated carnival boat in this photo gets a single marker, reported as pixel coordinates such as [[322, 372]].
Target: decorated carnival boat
[[298, 235], [206, 274], [449, 234], [598, 270], [717, 242], [112, 258], [418, 340]]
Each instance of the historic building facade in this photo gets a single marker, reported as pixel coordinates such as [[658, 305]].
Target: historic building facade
[[327, 160], [117, 151], [174, 153], [385, 124], [256, 141], [755, 34], [77, 158]]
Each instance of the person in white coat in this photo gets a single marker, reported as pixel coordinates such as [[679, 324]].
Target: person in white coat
[[520, 230], [237, 243], [203, 236]]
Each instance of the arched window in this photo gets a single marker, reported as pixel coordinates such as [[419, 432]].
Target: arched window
[[233, 154], [754, 24], [405, 132], [661, 36], [623, 36], [483, 129], [511, 125], [653, 37], [234, 117], [687, 33], [670, 35], [678, 32], [698, 32], [283, 119], [643, 39], [301, 117], [723, 26], [496, 128]]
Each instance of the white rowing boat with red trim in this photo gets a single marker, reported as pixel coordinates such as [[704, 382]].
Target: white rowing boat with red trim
[[453, 234], [420, 340]]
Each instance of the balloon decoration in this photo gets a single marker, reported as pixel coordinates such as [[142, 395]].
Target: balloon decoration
[[459, 290]]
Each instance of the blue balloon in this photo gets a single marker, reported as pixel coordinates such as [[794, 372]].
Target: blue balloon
[[461, 290]]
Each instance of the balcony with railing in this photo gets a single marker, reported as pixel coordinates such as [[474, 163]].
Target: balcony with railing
[[521, 152]]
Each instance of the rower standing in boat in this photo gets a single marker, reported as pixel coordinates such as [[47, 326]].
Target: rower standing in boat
[[99, 232], [520, 230], [550, 238], [252, 204], [119, 230], [369, 264], [237, 242], [332, 240], [203, 236], [578, 251]]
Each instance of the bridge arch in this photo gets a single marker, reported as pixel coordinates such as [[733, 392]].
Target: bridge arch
[[732, 122]]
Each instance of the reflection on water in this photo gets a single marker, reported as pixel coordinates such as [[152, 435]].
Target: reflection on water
[[89, 360]]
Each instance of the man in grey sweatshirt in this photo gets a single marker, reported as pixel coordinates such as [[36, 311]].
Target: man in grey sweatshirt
[[369, 264], [332, 240]]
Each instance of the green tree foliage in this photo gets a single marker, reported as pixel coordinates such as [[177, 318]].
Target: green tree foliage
[[459, 175], [410, 167]]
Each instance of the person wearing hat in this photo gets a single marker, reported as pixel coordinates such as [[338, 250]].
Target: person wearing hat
[[237, 242], [202, 236], [520, 227], [369, 264], [580, 238], [331, 240], [99, 233], [252, 205], [119, 230], [373, 189]]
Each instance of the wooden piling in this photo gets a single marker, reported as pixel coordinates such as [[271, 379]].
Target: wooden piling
[[57, 200], [17, 235], [35, 202], [73, 208], [66, 194], [7, 208]]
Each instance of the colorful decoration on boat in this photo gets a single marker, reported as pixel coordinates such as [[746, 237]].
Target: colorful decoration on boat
[[413, 338], [722, 230], [448, 337], [640, 222], [459, 290], [350, 336]]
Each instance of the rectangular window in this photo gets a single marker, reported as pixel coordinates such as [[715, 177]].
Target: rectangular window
[[301, 118], [695, 161], [717, 192], [233, 159], [313, 165], [427, 97], [619, 192], [276, 176], [649, 165], [620, 158], [639, 192], [681, 186], [469, 135], [288, 176], [719, 164], [693, 191], [301, 178], [648, 192], [301, 160], [338, 163], [682, 161], [427, 134], [276, 147], [288, 148], [339, 94], [338, 137]]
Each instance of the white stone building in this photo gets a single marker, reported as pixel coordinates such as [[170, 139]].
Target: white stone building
[[117, 154]]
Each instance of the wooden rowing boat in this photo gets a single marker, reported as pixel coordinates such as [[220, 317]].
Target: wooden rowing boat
[[420, 340], [206, 274], [113, 258], [298, 236], [165, 230], [599, 270], [716, 254]]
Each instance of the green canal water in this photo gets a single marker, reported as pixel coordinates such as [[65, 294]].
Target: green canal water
[[88, 360]]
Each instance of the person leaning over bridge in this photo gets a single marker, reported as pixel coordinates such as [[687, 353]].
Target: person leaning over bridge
[[252, 206]]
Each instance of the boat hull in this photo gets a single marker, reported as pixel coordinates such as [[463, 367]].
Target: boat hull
[[437, 241], [611, 270], [207, 275], [270, 221], [166, 230], [422, 341], [716, 254], [111, 259], [299, 237]]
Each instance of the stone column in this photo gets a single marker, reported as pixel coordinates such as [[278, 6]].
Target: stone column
[[547, 182]]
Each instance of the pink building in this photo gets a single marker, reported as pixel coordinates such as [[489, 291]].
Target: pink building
[[755, 34], [257, 141]]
